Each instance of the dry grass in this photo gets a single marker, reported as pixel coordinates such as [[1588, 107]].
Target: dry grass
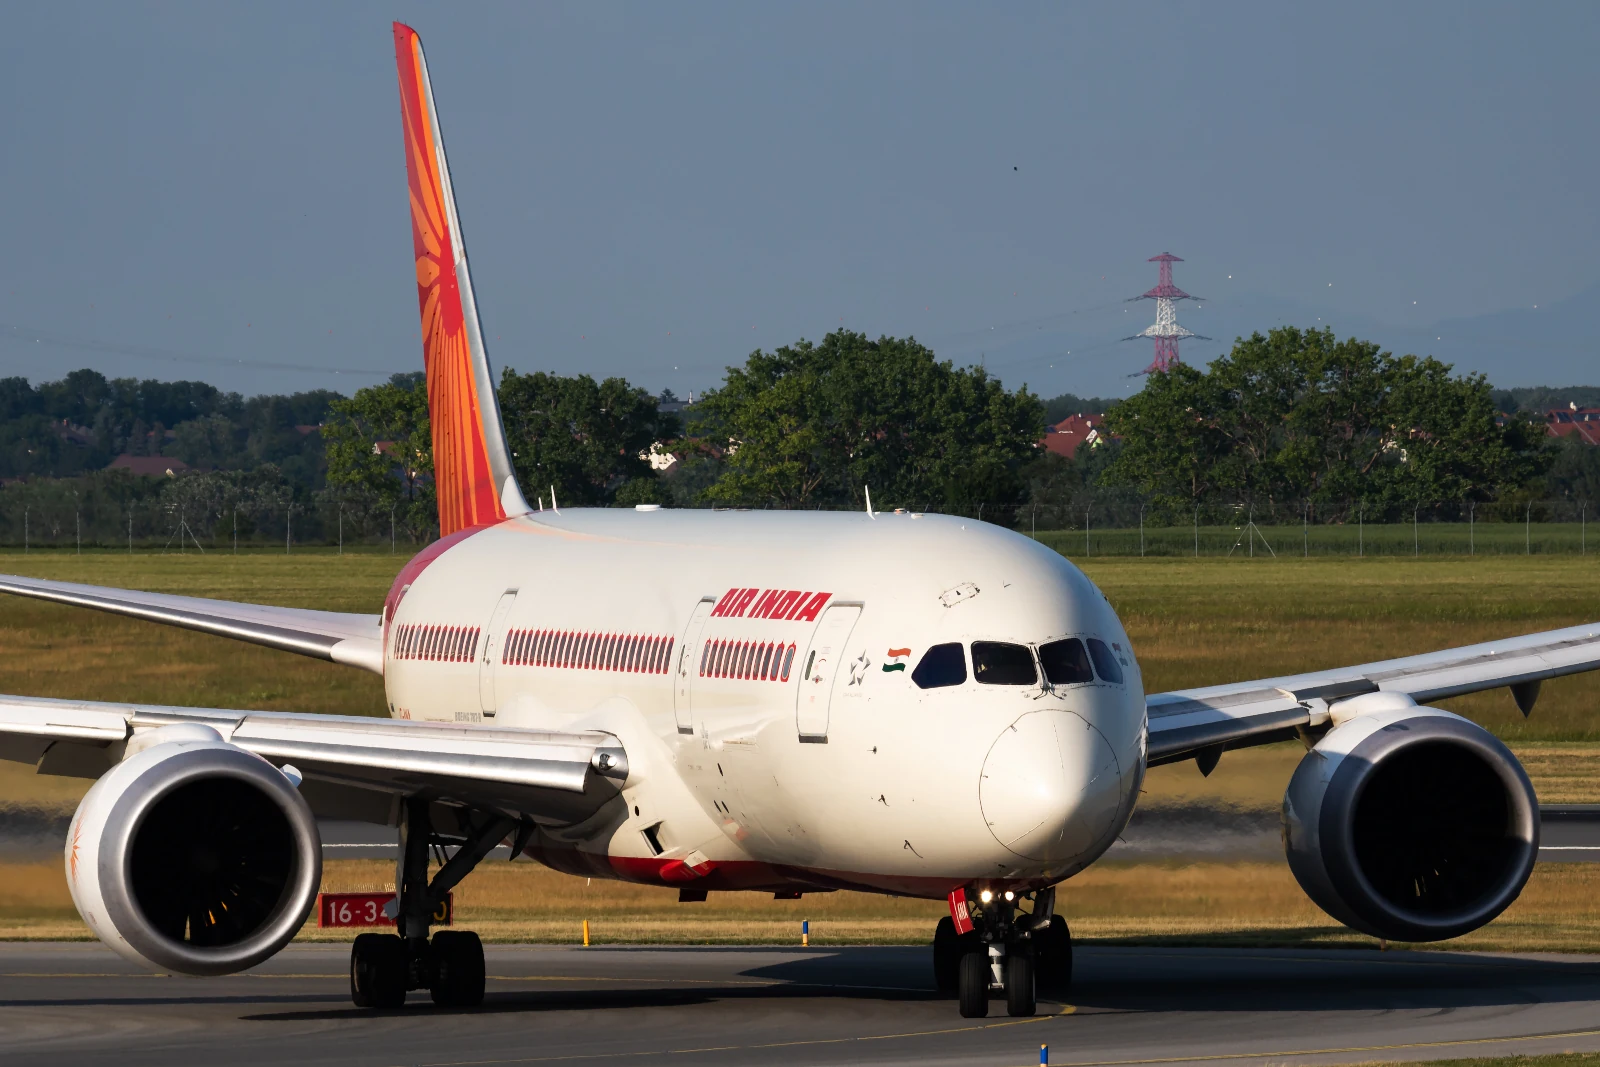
[[1242, 904]]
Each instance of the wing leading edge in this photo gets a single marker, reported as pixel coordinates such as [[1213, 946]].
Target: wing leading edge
[[1190, 721], [354, 767], [351, 639]]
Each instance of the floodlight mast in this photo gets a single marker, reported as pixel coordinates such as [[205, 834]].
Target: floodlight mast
[[1166, 332]]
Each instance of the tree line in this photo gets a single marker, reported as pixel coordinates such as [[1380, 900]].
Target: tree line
[[1294, 420]]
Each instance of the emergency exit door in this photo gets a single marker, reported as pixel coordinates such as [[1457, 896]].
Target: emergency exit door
[[493, 637], [824, 661], [685, 670]]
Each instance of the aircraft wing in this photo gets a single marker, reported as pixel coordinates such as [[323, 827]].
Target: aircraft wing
[[355, 640], [354, 767], [1191, 721]]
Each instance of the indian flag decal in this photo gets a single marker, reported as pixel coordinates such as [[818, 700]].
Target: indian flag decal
[[897, 660]]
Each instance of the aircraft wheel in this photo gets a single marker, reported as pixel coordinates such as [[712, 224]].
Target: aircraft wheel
[[1021, 998], [974, 983], [1053, 955], [379, 967], [458, 970], [948, 948]]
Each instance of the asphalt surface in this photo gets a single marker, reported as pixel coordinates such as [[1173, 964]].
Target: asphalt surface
[[80, 1004], [1193, 832]]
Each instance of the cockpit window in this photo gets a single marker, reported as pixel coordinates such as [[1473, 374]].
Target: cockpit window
[[1066, 662], [1105, 664], [941, 665], [997, 663]]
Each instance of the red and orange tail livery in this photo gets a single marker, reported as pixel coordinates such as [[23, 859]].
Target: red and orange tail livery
[[471, 463]]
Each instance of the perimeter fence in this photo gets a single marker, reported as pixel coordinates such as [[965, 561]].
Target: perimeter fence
[[1111, 525]]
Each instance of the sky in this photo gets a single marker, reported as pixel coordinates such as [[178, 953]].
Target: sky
[[217, 191]]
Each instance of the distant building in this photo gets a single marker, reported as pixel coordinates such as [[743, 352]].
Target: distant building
[[1072, 433], [150, 466], [1573, 421]]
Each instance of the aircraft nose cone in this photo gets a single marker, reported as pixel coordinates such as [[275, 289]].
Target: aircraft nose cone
[[1051, 786]]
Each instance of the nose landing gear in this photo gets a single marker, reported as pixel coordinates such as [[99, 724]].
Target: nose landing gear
[[1009, 950], [384, 967]]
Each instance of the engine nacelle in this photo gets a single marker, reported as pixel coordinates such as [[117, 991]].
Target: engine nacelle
[[1410, 823], [193, 855]]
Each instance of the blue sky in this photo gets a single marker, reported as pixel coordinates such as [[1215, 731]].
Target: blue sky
[[650, 190]]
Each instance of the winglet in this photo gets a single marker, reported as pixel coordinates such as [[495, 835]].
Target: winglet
[[472, 468]]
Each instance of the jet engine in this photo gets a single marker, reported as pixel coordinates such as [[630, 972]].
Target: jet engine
[[194, 855], [1410, 823]]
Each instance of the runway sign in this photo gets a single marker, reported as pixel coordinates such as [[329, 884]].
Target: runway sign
[[367, 909]]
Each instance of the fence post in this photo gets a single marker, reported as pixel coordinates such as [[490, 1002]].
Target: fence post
[[25, 511], [1305, 532], [1197, 532], [1472, 528], [77, 528], [1416, 549], [391, 531], [341, 529], [1086, 530], [1033, 524], [1583, 529], [236, 531], [1361, 530], [288, 520], [1527, 530], [1141, 531], [130, 532]]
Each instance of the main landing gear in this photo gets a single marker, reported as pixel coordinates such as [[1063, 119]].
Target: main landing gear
[[1009, 950], [384, 967]]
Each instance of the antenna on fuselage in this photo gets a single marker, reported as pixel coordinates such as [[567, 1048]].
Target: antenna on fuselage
[[870, 513], [553, 505]]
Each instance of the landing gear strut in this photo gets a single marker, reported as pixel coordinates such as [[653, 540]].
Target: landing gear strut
[[1009, 950], [384, 967]]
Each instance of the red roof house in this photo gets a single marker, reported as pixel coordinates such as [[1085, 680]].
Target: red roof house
[[1072, 433], [1573, 421]]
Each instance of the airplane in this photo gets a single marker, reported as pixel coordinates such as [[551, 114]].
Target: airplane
[[757, 701]]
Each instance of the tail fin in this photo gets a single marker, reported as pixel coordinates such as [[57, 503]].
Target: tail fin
[[471, 464]]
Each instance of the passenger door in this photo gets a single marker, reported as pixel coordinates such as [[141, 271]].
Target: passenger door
[[493, 638], [686, 667], [820, 669]]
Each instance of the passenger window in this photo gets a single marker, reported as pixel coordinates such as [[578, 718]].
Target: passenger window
[[998, 663], [941, 665], [1066, 662], [1105, 664]]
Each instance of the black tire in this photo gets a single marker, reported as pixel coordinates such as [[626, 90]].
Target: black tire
[[1021, 999], [974, 983], [1053, 955], [379, 968], [458, 971], [946, 956]]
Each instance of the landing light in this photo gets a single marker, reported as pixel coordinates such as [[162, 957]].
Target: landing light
[[1010, 895], [986, 896]]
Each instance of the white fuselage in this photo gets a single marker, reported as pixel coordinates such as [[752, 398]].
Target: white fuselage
[[784, 752]]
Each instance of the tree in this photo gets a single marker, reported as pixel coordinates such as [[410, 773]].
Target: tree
[[379, 442], [1298, 418], [811, 424], [588, 439]]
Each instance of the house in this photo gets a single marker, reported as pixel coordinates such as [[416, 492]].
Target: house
[[150, 466], [1573, 421], [1072, 433]]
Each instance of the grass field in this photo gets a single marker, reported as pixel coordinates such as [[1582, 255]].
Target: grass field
[[1193, 622], [1482, 538]]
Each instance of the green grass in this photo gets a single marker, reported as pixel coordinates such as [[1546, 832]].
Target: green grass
[[1293, 541], [1193, 622]]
